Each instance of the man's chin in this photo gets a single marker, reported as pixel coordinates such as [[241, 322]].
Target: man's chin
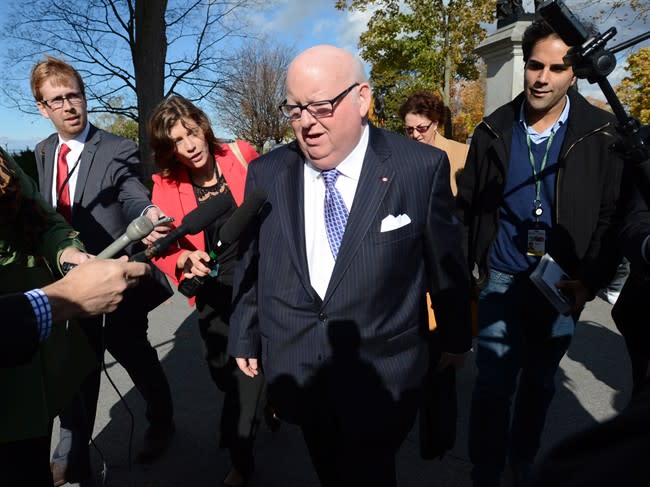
[[323, 164]]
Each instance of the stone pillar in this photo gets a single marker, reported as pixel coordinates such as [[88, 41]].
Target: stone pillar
[[504, 58]]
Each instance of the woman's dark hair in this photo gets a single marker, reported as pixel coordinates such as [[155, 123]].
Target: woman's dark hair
[[25, 215], [165, 116], [424, 103]]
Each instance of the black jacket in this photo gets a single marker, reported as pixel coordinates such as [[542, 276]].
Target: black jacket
[[18, 331], [630, 310], [587, 191]]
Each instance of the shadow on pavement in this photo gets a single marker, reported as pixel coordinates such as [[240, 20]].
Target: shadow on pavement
[[593, 382]]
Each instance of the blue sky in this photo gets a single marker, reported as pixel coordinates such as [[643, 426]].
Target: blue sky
[[296, 23]]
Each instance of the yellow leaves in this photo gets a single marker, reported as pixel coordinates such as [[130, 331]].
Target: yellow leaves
[[467, 106], [634, 89]]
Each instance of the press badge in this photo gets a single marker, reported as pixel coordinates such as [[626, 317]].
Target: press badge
[[536, 242]]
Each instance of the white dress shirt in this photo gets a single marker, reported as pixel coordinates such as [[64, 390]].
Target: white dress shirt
[[319, 255], [73, 158]]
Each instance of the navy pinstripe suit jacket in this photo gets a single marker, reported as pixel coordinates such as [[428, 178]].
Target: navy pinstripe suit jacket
[[378, 283]]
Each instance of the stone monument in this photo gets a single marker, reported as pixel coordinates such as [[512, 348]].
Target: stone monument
[[502, 54]]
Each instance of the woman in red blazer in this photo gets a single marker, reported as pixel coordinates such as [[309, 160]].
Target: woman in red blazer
[[195, 167]]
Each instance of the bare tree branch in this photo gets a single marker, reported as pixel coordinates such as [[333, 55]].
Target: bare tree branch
[[135, 51], [251, 91]]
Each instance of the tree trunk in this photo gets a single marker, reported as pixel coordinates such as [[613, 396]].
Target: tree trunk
[[149, 54], [446, 91]]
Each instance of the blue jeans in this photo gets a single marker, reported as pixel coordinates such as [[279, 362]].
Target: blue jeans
[[519, 334]]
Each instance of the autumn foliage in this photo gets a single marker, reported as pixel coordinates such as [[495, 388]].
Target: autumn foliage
[[634, 89]]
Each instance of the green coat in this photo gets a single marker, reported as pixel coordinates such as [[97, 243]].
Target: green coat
[[34, 393]]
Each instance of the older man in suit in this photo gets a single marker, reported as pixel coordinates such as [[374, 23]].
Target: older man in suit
[[92, 177], [329, 291]]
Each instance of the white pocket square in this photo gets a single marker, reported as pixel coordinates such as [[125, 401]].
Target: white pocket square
[[394, 222]]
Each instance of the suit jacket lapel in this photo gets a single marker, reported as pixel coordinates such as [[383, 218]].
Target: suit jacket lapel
[[291, 208], [47, 163], [375, 179], [86, 161]]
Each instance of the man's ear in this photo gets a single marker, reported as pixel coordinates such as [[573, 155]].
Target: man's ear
[[365, 99], [42, 109]]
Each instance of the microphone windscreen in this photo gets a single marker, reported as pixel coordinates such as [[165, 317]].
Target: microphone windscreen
[[139, 228], [199, 218], [232, 229]]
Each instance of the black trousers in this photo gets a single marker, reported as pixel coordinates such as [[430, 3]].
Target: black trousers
[[26, 463], [125, 337], [244, 398], [345, 457]]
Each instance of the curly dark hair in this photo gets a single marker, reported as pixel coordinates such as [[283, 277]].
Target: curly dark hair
[[425, 103], [25, 214]]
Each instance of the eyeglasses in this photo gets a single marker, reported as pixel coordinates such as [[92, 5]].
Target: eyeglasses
[[57, 102], [420, 128], [317, 109]]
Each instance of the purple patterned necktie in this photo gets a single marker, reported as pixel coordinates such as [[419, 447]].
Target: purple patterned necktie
[[336, 214]]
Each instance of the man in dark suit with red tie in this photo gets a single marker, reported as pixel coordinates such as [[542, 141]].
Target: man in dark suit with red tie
[[92, 177], [328, 299]]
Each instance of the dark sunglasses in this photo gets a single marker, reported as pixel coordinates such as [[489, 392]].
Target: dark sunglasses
[[420, 128]]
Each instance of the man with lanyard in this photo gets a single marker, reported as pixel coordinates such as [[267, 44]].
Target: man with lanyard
[[539, 179]]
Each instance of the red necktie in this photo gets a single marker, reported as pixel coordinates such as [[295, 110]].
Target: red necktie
[[63, 192]]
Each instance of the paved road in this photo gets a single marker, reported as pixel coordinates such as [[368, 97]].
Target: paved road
[[593, 384]]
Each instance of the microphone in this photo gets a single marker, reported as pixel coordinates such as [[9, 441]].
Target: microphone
[[195, 221], [228, 233], [135, 231], [241, 218]]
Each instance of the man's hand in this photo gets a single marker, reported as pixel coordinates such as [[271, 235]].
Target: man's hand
[[154, 214], [248, 366], [578, 293], [74, 256], [93, 287]]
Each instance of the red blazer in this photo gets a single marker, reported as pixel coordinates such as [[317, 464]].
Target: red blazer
[[174, 195]]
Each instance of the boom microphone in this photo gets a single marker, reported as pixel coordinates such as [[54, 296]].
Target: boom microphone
[[195, 221], [135, 231], [232, 229], [228, 233]]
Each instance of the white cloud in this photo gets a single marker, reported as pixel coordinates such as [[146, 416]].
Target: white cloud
[[354, 25], [305, 23]]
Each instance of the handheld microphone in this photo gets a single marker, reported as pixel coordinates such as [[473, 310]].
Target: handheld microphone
[[135, 231], [195, 221], [228, 233]]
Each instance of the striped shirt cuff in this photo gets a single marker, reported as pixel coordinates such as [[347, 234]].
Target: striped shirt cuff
[[42, 311]]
